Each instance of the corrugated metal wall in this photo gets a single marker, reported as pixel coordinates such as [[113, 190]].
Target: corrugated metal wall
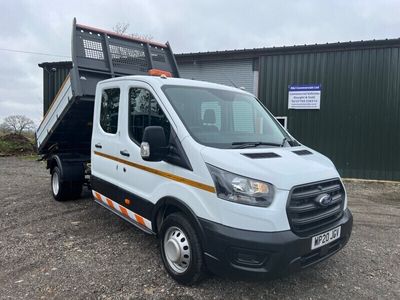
[[358, 125], [223, 72]]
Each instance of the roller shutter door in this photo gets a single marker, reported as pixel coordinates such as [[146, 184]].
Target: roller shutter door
[[232, 72]]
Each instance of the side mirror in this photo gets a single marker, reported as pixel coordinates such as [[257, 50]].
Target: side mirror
[[154, 144]]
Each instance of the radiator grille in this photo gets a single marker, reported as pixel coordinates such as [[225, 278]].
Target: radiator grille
[[306, 215]]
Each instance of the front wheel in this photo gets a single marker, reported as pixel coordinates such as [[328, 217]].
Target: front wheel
[[181, 250]]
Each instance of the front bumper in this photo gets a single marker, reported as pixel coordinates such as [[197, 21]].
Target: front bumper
[[251, 254]]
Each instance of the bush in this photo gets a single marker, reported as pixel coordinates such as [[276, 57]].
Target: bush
[[16, 144]]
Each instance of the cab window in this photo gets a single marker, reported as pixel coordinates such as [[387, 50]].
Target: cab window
[[109, 110], [224, 118], [145, 111]]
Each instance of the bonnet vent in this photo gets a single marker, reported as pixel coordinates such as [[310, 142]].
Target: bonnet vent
[[302, 152], [261, 155]]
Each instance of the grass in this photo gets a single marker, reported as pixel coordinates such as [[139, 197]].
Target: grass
[[6, 147]]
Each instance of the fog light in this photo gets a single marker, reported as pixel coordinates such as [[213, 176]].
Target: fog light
[[249, 258]]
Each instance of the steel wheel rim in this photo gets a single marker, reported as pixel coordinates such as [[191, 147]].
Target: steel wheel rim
[[177, 249], [55, 183]]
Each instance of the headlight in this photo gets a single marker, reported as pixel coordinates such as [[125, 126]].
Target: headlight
[[241, 189]]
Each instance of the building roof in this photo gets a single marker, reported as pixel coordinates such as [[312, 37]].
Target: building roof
[[256, 52], [64, 64]]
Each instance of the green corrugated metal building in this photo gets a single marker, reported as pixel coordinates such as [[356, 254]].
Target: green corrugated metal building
[[358, 123]]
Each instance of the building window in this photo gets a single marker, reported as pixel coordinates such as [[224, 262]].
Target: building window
[[283, 121], [109, 110]]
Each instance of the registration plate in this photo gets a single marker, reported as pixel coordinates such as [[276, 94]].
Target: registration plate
[[325, 238]]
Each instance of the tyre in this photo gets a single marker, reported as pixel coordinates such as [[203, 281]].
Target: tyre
[[181, 250], [64, 190], [75, 190]]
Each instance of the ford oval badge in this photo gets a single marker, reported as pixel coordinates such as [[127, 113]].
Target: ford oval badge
[[324, 199]]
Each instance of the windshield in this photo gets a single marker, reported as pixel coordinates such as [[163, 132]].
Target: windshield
[[225, 119]]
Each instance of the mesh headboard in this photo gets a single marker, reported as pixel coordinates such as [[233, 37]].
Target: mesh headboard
[[99, 54]]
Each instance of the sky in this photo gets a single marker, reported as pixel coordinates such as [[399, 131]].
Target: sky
[[189, 26]]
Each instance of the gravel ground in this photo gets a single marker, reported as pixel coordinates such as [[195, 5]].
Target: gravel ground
[[80, 250]]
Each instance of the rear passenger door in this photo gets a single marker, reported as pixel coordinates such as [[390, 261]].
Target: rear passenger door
[[106, 137]]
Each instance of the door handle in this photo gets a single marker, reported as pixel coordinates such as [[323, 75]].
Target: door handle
[[124, 152], [98, 145]]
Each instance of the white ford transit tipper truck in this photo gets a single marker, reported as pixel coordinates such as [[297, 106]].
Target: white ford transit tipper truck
[[203, 166]]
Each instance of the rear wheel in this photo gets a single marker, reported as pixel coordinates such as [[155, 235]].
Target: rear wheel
[[181, 250], [75, 190], [64, 190]]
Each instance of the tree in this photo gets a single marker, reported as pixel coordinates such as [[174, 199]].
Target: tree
[[3, 129], [17, 124], [122, 28]]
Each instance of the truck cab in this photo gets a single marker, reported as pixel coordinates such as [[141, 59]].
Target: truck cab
[[210, 171]]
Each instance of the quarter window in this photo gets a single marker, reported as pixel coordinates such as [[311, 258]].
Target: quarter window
[[145, 111], [109, 110]]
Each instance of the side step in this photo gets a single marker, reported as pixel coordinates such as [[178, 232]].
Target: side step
[[126, 214]]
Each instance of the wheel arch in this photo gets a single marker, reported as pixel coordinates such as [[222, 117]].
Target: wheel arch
[[54, 161], [70, 170], [168, 205]]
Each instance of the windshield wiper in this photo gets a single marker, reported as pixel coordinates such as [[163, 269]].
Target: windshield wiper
[[241, 145]]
